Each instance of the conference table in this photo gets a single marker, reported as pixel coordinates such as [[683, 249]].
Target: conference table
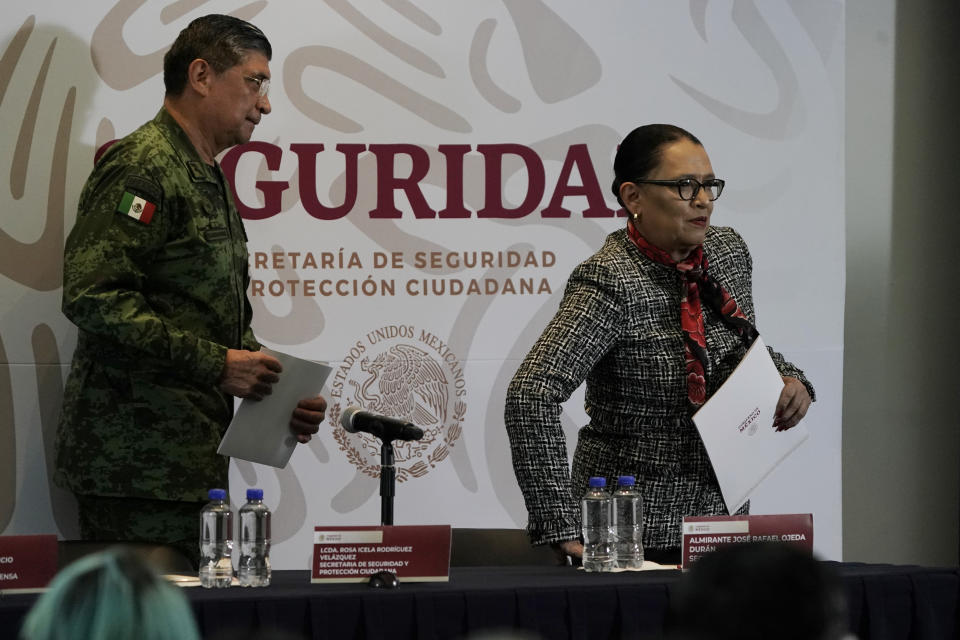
[[885, 602]]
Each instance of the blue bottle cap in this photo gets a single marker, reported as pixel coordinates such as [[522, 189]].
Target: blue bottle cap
[[597, 482], [254, 494], [217, 494], [626, 481]]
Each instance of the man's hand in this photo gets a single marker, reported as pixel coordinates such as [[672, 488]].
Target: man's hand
[[307, 417], [249, 374], [792, 405]]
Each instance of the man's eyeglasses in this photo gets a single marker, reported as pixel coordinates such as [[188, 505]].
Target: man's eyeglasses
[[263, 85], [688, 188]]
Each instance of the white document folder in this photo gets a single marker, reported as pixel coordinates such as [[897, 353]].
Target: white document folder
[[736, 426], [260, 429]]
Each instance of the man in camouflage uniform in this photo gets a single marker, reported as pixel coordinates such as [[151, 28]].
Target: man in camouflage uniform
[[155, 278]]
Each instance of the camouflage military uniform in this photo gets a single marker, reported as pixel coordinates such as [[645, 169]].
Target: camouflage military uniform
[[157, 303]]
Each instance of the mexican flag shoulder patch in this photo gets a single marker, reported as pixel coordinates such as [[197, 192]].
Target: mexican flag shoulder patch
[[136, 207]]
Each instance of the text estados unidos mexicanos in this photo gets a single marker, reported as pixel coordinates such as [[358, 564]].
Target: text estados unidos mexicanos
[[433, 342], [577, 179]]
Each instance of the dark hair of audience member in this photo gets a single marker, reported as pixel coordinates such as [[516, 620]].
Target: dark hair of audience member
[[758, 590]]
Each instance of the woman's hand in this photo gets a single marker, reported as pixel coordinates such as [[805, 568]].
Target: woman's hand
[[792, 405], [568, 552]]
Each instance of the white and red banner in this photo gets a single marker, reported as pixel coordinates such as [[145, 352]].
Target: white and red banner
[[429, 175]]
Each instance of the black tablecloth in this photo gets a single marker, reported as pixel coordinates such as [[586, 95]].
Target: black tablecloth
[[885, 602]]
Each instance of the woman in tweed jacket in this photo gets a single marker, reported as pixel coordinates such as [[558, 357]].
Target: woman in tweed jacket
[[619, 327]]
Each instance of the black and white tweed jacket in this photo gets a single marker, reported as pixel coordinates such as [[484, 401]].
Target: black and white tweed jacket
[[618, 328]]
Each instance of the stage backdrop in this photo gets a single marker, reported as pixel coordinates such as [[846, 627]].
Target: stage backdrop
[[430, 174]]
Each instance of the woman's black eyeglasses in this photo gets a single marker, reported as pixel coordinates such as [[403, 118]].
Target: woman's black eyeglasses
[[688, 188]]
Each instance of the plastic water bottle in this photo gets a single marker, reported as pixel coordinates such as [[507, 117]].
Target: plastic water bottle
[[216, 541], [628, 523], [596, 517], [254, 567]]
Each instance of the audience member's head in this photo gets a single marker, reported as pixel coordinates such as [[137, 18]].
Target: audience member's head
[[110, 595], [758, 590], [258, 633]]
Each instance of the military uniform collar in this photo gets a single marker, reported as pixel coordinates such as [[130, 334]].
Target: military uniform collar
[[199, 170]]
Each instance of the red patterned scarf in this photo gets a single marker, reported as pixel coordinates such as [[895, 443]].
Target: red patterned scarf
[[699, 285]]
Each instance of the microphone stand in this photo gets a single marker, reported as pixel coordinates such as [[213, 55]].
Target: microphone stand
[[388, 479]]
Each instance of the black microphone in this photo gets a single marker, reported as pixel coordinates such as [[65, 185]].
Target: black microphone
[[356, 419]]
